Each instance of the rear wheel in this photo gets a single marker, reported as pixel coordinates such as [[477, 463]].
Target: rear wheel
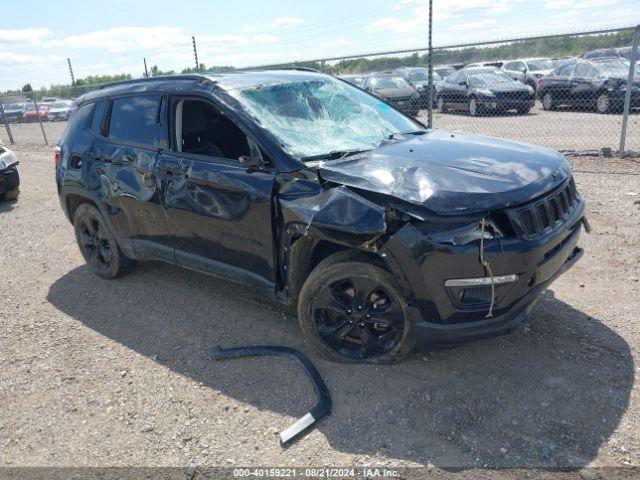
[[441, 105], [98, 245], [548, 101], [353, 312], [524, 110], [603, 103]]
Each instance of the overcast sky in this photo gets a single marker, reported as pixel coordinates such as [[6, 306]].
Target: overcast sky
[[105, 36]]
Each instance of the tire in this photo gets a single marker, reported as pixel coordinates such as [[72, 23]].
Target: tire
[[441, 105], [474, 107], [98, 245], [331, 321], [11, 195], [548, 102], [524, 110], [603, 103]]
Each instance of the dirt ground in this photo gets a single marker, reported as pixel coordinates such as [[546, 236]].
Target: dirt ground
[[117, 373]]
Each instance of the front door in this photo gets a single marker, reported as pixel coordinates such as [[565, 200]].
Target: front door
[[218, 200]]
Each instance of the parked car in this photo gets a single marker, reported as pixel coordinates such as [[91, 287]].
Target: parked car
[[418, 78], [13, 112], [484, 90], [353, 79], [589, 84], [60, 110], [319, 195], [492, 63], [394, 90], [9, 177], [31, 114], [444, 71], [528, 70]]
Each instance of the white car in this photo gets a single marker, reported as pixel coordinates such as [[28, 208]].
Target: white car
[[60, 110], [9, 178]]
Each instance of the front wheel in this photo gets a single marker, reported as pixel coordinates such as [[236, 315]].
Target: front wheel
[[98, 245], [548, 101], [474, 107], [352, 312], [524, 110]]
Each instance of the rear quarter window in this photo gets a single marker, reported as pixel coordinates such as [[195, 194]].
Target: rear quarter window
[[136, 121], [78, 121], [98, 116]]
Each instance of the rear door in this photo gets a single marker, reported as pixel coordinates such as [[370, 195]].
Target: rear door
[[559, 85], [583, 89], [218, 207], [133, 133]]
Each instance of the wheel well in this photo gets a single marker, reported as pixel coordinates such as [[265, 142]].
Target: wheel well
[[306, 254], [74, 201]]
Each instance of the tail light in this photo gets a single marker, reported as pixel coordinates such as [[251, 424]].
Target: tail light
[[539, 81], [56, 155]]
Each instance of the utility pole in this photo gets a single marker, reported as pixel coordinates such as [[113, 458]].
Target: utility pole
[[146, 72], [430, 65], [73, 80], [195, 53]]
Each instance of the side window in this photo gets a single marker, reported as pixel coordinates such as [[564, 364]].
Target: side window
[[585, 71], [520, 66], [566, 71], [136, 120], [98, 116], [201, 128], [509, 66], [454, 78], [78, 119]]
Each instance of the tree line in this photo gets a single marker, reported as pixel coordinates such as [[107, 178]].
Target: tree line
[[540, 47]]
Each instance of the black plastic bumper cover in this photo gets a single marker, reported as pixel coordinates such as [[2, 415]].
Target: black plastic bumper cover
[[322, 408]]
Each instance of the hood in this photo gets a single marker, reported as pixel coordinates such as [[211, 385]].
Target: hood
[[505, 87], [7, 158], [394, 92], [453, 173]]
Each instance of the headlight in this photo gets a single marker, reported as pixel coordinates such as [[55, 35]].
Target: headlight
[[486, 92]]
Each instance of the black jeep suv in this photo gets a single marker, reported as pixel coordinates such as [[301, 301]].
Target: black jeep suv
[[387, 236]]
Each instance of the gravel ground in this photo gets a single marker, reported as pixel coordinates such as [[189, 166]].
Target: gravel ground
[[116, 373], [564, 129]]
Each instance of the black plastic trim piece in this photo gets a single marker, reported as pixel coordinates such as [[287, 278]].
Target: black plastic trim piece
[[322, 408]]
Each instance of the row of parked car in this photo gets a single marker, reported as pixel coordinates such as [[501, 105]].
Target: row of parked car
[[595, 81], [48, 110]]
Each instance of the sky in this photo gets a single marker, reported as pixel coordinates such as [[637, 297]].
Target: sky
[[109, 37]]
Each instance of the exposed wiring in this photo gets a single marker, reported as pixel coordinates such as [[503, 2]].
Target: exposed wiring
[[487, 268]]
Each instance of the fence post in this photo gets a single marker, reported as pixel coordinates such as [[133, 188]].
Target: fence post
[[627, 97], [430, 64], [44, 134], [6, 124]]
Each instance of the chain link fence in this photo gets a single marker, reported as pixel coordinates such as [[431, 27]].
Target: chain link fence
[[577, 92]]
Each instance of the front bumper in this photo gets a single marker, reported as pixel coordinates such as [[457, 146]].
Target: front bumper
[[9, 179], [437, 314], [502, 105]]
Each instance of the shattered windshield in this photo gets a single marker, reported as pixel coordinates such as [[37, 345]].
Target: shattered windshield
[[320, 116]]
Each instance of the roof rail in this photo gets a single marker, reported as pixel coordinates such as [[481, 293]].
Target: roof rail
[[192, 77]]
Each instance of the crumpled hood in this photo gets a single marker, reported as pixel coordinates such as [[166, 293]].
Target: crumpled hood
[[453, 173], [7, 158]]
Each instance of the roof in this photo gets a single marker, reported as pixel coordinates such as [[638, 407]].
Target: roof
[[235, 79]]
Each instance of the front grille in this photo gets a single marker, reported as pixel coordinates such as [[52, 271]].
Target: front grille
[[547, 213], [512, 95]]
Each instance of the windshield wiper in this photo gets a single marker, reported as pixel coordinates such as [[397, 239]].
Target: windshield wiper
[[334, 154]]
